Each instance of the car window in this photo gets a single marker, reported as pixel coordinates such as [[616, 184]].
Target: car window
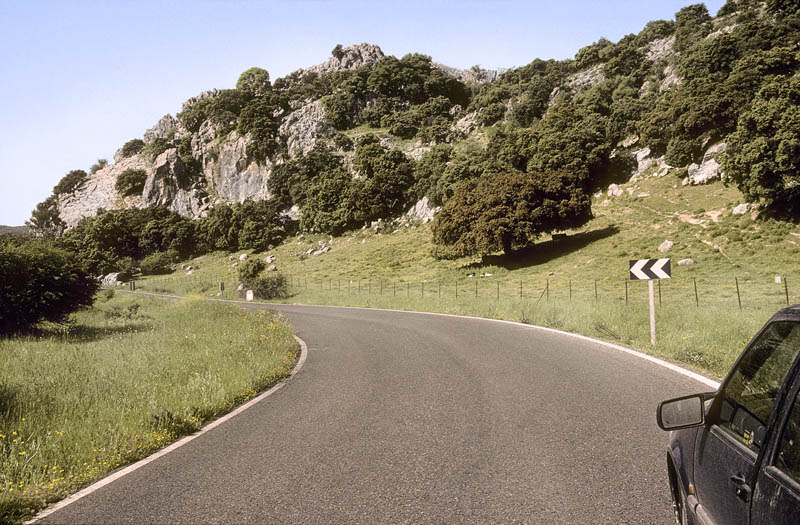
[[750, 394], [788, 459]]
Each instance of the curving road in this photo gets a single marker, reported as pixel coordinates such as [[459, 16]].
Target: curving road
[[414, 418]]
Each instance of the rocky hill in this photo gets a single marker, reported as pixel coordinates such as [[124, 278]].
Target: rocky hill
[[667, 100]]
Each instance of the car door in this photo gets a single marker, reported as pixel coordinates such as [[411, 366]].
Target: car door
[[776, 499], [739, 423]]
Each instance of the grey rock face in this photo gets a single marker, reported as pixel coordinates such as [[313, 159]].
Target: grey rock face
[[422, 211], [472, 75], [162, 128], [163, 187], [580, 81], [671, 78], [303, 127], [661, 48], [351, 57], [99, 192], [230, 173]]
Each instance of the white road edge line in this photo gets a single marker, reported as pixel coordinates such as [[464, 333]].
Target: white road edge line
[[181, 442]]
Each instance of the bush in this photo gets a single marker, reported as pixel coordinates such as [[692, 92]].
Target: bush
[[250, 270], [39, 282], [126, 267], [97, 166], [70, 182], [131, 182], [132, 147], [158, 263], [155, 148], [271, 286]]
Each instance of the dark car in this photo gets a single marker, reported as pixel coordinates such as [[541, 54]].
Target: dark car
[[734, 454]]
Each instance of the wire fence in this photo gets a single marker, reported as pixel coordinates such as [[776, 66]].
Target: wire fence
[[732, 292]]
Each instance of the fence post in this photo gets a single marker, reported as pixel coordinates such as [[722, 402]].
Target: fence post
[[738, 295], [520, 288], [696, 297], [456, 288], [595, 290], [369, 286], [476, 288], [547, 289], [626, 293], [570, 289], [786, 290], [498, 290], [422, 290], [381, 286], [439, 289], [394, 288]]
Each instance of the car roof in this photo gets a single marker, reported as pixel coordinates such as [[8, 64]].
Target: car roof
[[790, 313]]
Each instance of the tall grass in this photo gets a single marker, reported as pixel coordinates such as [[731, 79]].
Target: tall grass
[[124, 379]]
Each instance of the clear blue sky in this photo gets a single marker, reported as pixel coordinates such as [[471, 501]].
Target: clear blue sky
[[82, 77]]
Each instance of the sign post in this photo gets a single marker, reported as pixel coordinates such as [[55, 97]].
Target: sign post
[[650, 269]]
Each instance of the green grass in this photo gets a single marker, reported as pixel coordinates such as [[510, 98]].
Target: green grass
[[704, 331], [120, 382]]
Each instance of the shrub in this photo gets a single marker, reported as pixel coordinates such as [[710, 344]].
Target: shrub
[[39, 282], [158, 263], [130, 182], [70, 182], [155, 148], [250, 270], [271, 286], [126, 267], [97, 166], [132, 147], [254, 81]]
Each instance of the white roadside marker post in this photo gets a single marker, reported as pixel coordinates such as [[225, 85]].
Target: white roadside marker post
[[652, 313], [650, 269]]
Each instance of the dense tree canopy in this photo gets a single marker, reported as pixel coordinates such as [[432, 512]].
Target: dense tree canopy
[[763, 156], [508, 211], [39, 282]]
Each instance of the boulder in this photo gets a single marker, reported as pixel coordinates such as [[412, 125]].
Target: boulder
[[271, 268], [269, 259], [741, 209], [243, 257], [685, 262], [709, 169], [666, 246], [615, 191]]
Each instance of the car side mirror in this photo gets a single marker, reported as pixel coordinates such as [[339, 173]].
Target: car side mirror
[[682, 412]]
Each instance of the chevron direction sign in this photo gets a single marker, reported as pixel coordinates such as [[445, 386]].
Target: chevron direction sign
[[650, 269]]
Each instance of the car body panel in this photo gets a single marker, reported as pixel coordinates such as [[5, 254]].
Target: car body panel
[[724, 477]]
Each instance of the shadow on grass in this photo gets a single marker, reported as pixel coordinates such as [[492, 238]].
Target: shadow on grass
[[7, 397], [86, 333], [545, 251]]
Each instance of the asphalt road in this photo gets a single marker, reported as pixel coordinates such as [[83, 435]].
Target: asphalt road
[[413, 418]]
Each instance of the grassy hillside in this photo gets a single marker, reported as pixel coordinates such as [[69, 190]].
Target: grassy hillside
[[577, 284]]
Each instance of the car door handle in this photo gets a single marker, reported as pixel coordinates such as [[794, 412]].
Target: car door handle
[[741, 487]]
